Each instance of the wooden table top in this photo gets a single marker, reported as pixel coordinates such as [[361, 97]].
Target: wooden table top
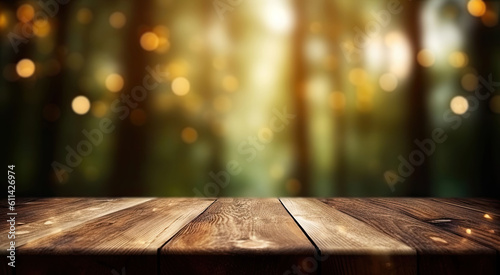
[[254, 236]]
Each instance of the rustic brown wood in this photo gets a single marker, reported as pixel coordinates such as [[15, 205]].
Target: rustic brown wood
[[349, 245], [238, 236], [129, 238], [43, 217], [467, 223], [18, 201], [439, 251], [254, 236], [486, 206]]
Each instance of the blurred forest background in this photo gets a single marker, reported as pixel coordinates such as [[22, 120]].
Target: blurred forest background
[[251, 98]]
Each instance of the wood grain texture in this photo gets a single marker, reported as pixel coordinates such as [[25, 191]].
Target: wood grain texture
[[486, 206], [255, 236], [43, 217], [129, 238], [351, 246], [439, 251], [19, 201], [469, 224], [238, 236]]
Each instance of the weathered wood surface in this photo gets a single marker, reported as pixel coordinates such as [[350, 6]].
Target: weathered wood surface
[[38, 218], [439, 251], [349, 245], [127, 238], [238, 236], [480, 227], [254, 236], [487, 206]]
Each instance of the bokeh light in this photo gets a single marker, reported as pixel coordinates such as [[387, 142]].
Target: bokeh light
[[161, 31], [25, 68], [459, 105], [25, 13], [425, 58], [180, 86], [114, 82], [99, 109], [149, 41], [189, 135], [4, 20], [458, 59], [476, 7], [177, 68], [190, 88], [80, 105], [469, 82], [41, 28], [117, 20], [388, 82]]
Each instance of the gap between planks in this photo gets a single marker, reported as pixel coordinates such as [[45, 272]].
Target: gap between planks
[[158, 252], [318, 251]]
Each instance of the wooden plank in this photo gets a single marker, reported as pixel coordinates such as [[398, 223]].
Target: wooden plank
[[467, 223], [238, 236], [127, 239], [486, 206], [439, 251], [351, 246], [28, 204], [19, 201], [40, 218]]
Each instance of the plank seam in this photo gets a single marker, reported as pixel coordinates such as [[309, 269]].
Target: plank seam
[[307, 236], [417, 253], [158, 252]]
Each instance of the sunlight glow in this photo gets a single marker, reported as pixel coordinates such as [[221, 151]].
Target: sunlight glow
[[278, 16]]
